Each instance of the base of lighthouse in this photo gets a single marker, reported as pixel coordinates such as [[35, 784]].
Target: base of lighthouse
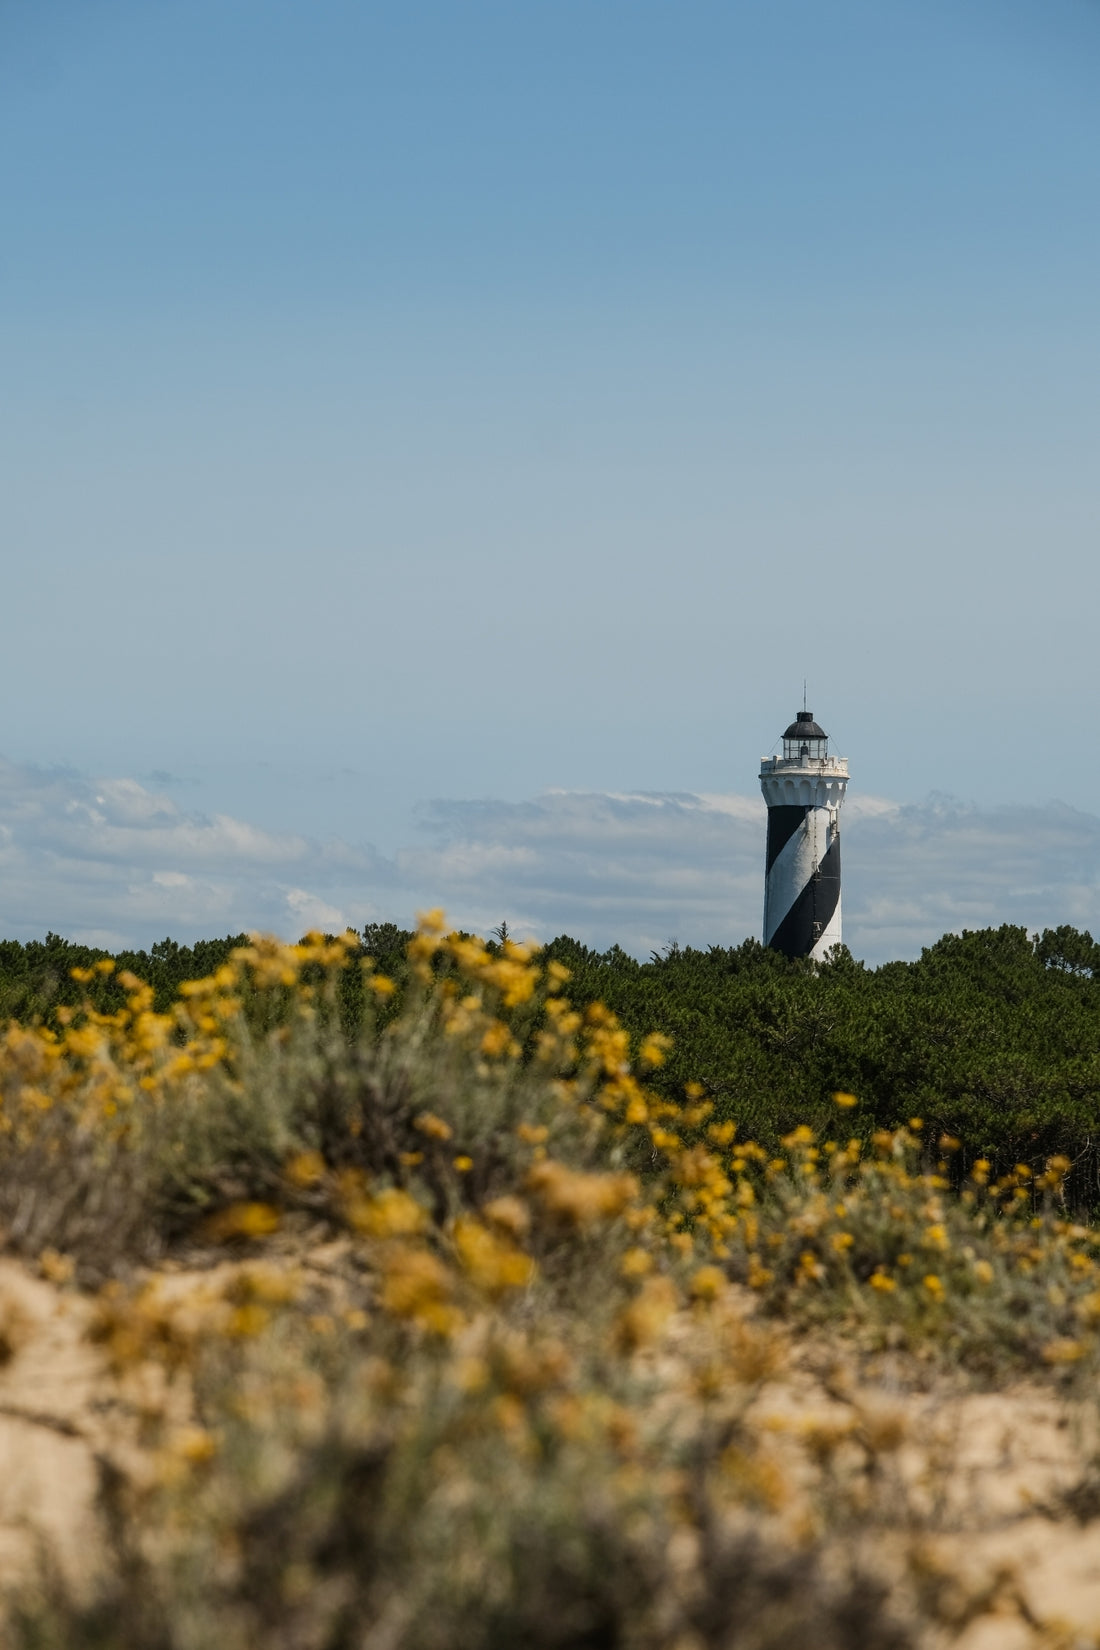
[[802, 886]]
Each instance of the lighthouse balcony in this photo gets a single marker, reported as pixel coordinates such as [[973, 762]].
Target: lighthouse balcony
[[831, 766], [804, 782]]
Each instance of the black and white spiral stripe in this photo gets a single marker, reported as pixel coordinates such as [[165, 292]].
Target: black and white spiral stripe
[[802, 884]]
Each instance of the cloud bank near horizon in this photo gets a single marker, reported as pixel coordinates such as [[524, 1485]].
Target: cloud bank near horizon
[[110, 862], [114, 862]]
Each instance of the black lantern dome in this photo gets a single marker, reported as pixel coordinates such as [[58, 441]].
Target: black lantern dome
[[804, 741]]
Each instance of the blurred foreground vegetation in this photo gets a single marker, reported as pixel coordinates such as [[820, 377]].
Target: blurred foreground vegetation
[[439, 1308]]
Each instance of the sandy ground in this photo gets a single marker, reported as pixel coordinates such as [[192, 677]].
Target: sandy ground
[[981, 1480], [985, 1485], [52, 1392]]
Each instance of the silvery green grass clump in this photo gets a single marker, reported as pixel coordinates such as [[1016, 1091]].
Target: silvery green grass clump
[[453, 1333]]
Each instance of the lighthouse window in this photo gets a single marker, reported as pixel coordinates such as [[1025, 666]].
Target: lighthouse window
[[804, 750]]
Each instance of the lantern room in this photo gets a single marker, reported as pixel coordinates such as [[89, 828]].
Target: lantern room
[[804, 741]]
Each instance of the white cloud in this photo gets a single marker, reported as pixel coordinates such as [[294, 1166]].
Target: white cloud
[[116, 862], [309, 911], [918, 871], [112, 862]]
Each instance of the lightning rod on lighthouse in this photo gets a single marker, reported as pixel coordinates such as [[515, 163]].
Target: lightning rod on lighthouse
[[804, 790]]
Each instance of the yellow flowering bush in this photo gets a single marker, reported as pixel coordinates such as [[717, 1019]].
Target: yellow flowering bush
[[467, 1328], [879, 1241]]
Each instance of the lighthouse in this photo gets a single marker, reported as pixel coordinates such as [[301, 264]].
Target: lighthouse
[[804, 790]]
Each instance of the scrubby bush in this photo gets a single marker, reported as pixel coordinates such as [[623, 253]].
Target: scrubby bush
[[992, 1036], [468, 1320]]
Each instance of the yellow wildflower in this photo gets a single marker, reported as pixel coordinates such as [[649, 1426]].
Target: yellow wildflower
[[242, 1220], [654, 1049], [431, 1125], [1088, 1307], [759, 1276], [579, 1198], [642, 1321], [803, 1135], [636, 1263], [1063, 1351], [708, 1283], [305, 1168], [390, 1213], [56, 1267], [249, 1320], [492, 1264], [498, 1040], [194, 1444], [418, 1286], [509, 1213]]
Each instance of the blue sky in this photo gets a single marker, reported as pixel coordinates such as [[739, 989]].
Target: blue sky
[[408, 405]]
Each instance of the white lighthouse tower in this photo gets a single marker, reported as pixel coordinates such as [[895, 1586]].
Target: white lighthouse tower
[[804, 790]]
